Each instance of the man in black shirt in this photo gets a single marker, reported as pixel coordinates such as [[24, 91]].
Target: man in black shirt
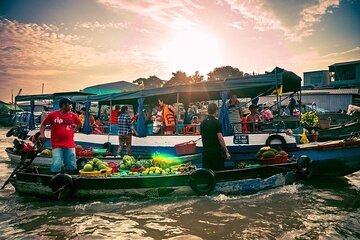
[[213, 141]]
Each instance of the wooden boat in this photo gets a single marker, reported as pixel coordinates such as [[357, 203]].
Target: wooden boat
[[241, 146], [201, 182], [342, 131]]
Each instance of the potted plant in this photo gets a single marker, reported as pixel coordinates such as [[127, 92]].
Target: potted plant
[[310, 122]]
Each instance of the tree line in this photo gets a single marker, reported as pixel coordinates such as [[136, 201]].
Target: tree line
[[180, 77]]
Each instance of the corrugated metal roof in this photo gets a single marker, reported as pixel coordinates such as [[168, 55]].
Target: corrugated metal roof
[[332, 91], [345, 63]]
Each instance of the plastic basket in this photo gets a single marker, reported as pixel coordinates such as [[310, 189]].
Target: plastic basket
[[185, 148], [275, 160], [102, 173], [99, 151]]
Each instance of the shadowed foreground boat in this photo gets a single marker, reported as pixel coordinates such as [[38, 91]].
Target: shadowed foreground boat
[[201, 182]]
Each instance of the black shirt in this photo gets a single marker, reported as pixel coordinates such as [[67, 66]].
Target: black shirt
[[213, 156]]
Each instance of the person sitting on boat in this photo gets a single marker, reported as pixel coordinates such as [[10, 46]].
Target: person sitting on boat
[[253, 119], [62, 130], [169, 117], [193, 127], [98, 126], [214, 145], [114, 120], [125, 130], [234, 108], [83, 115]]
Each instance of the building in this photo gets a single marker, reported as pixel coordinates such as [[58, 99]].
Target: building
[[345, 74], [316, 79]]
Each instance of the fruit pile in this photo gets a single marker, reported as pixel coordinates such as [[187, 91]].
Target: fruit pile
[[129, 166], [95, 165], [46, 152], [268, 153]]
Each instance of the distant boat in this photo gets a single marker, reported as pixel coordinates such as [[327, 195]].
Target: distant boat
[[341, 131]]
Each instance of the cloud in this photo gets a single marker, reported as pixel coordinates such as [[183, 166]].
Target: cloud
[[313, 60], [93, 26], [172, 13], [265, 17], [38, 53]]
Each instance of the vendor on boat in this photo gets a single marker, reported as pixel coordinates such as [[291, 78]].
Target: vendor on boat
[[62, 124], [253, 119], [114, 120], [214, 145], [234, 108], [125, 130], [83, 115], [169, 117]]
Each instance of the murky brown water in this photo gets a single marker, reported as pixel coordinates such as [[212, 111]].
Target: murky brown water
[[327, 209]]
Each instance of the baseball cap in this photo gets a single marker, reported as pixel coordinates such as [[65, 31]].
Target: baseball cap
[[64, 101]]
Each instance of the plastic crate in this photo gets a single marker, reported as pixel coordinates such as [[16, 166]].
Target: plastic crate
[[102, 173], [275, 160], [185, 148]]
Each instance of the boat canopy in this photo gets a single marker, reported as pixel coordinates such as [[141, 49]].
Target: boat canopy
[[250, 86]]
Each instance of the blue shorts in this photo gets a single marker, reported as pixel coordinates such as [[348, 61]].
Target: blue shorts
[[114, 129], [62, 156]]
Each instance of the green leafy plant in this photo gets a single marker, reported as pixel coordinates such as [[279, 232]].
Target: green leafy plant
[[310, 121]]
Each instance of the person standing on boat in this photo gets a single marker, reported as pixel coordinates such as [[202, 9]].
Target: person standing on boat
[[291, 105], [114, 120], [234, 108], [62, 130], [125, 130], [214, 145], [82, 117], [169, 117]]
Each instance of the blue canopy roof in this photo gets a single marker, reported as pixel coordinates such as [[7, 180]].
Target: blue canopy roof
[[249, 86]]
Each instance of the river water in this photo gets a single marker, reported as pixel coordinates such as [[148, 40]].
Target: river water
[[321, 209]]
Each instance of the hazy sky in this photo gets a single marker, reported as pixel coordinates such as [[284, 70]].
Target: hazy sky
[[72, 44]]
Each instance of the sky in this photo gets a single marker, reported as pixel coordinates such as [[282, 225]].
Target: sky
[[67, 45]]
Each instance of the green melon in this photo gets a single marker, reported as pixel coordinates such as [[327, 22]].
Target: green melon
[[88, 168], [282, 153], [268, 154]]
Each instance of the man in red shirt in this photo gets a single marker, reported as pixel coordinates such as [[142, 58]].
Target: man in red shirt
[[114, 120], [63, 124]]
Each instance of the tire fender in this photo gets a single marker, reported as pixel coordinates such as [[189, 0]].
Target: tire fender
[[10, 132], [276, 137], [304, 167], [63, 183], [202, 181]]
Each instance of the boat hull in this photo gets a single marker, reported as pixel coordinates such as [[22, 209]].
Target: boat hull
[[332, 158], [240, 181]]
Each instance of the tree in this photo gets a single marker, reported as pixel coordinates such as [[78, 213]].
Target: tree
[[150, 82], [224, 72], [196, 78], [178, 78]]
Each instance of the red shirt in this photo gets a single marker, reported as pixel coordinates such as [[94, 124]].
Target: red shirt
[[114, 117], [62, 134]]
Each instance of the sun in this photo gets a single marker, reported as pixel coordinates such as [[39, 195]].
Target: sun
[[191, 51]]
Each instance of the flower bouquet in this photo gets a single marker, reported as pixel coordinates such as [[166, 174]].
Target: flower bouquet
[[310, 122]]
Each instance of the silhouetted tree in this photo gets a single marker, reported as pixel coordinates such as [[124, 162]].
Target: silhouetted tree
[[224, 72], [178, 78], [196, 78], [150, 82]]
